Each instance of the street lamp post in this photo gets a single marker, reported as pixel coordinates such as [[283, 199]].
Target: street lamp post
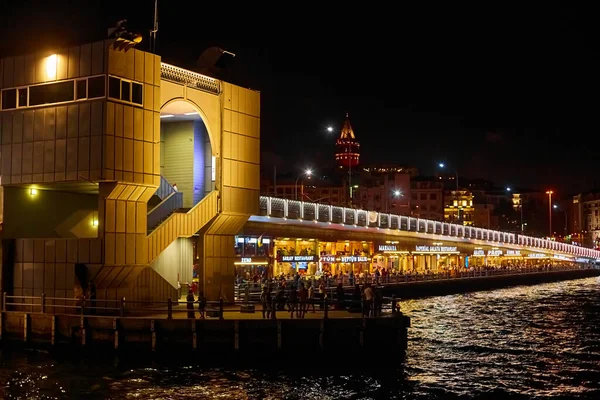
[[308, 173], [566, 219], [396, 193], [549, 193]]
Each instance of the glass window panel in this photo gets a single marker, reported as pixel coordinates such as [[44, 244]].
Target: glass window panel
[[81, 89], [96, 87], [114, 87], [52, 93], [9, 99]]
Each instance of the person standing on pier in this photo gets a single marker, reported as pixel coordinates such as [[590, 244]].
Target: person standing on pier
[[293, 300], [265, 299], [302, 297], [201, 305], [190, 303], [368, 303]]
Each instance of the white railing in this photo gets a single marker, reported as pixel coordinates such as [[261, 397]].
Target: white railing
[[293, 209], [172, 73]]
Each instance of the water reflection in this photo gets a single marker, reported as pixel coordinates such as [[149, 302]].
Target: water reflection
[[533, 341], [525, 342]]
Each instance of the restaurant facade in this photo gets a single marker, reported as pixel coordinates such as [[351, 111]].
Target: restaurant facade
[[275, 255]]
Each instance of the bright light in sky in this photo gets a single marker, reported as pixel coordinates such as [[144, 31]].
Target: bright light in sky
[[329, 129]]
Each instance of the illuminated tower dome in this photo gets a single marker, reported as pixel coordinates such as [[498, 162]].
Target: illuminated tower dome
[[347, 147]]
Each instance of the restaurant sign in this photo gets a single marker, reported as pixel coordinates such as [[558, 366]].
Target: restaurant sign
[[354, 259], [494, 253], [536, 255], [328, 259], [298, 258], [252, 261], [436, 249], [478, 253], [387, 247], [513, 253]]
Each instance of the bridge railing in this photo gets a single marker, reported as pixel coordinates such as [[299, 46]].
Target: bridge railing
[[253, 290], [315, 212]]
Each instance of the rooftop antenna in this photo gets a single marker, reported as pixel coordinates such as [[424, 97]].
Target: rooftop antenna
[[154, 29]]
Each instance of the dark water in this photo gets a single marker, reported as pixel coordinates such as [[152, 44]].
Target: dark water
[[533, 342]]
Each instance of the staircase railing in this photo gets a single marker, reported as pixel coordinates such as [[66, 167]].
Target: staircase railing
[[165, 188], [182, 225], [159, 213]]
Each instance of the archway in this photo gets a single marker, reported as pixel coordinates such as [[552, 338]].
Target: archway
[[187, 159]]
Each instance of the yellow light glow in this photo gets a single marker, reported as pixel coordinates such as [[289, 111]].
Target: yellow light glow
[[32, 192], [95, 222], [51, 64]]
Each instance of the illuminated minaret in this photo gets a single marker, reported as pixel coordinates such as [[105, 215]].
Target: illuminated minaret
[[347, 154]]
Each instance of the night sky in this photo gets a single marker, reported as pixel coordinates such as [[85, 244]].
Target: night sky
[[508, 94]]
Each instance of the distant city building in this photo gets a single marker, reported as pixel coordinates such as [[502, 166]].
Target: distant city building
[[586, 217], [347, 157], [427, 198], [384, 189], [458, 207], [348, 148]]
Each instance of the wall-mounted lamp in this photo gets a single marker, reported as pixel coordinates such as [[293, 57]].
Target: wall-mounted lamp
[[51, 66], [32, 192], [95, 222]]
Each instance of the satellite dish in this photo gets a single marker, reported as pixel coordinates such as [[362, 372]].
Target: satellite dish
[[213, 60]]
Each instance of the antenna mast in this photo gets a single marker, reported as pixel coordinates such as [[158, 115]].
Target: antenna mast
[[154, 29]]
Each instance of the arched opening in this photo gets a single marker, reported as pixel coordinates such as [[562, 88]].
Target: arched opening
[[186, 156]]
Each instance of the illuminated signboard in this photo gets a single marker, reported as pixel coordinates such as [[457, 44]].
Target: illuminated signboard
[[536, 255], [328, 259], [252, 261], [297, 258], [387, 247], [478, 253], [354, 259], [494, 253], [436, 249], [513, 253]]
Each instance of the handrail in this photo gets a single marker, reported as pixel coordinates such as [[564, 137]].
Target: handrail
[[300, 210], [172, 202], [183, 224], [164, 189], [254, 289]]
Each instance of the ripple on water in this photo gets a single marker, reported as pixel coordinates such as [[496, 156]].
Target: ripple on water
[[517, 343]]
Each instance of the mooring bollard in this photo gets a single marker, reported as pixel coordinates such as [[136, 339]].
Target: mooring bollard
[[273, 309], [82, 305], [169, 309], [122, 306], [326, 309], [393, 304], [221, 308]]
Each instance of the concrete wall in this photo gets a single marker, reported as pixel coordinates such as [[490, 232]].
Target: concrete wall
[[48, 266], [203, 183], [132, 136], [186, 159], [49, 214], [56, 143], [177, 166], [175, 263]]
